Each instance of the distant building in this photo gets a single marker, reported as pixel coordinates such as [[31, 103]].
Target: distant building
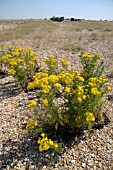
[[58, 19], [73, 19]]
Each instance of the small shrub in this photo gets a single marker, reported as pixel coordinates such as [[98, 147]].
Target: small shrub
[[73, 48], [69, 97], [107, 30], [94, 36], [78, 30], [21, 63]]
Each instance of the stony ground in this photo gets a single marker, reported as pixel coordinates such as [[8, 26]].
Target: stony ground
[[88, 150]]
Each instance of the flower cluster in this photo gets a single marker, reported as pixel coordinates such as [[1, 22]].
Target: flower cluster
[[32, 104], [45, 143], [21, 63], [31, 124], [90, 117]]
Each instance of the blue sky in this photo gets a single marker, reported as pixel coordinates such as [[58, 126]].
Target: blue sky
[[40, 9]]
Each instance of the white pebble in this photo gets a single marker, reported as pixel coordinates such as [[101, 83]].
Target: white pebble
[[83, 165]]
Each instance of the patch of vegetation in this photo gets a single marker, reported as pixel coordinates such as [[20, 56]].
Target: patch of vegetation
[[73, 48], [94, 36], [65, 99], [107, 30], [37, 37], [78, 30], [51, 33]]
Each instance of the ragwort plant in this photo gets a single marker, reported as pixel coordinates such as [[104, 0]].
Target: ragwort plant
[[68, 97], [21, 63]]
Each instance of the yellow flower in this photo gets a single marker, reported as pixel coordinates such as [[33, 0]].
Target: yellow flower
[[41, 68], [66, 77], [40, 148], [83, 73], [15, 53], [93, 79], [50, 60], [44, 139], [11, 71], [39, 141], [79, 99], [86, 55], [50, 142], [79, 78], [108, 87], [46, 60], [62, 68], [43, 135], [34, 56], [84, 97], [20, 60], [28, 48], [19, 48], [80, 89], [20, 66], [31, 63], [68, 80], [13, 63], [32, 104], [95, 91], [67, 89], [89, 55], [31, 124], [10, 47], [97, 56], [45, 102], [92, 84], [55, 145], [90, 117], [31, 85], [46, 89], [103, 79], [45, 147], [43, 82], [64, 62], [45, 143], [53, 78], [57, 85]]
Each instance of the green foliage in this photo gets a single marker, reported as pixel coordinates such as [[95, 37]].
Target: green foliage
[[70, 97], [21, 63]]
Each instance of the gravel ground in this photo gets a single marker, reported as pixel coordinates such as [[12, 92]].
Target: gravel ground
[[89, 150]]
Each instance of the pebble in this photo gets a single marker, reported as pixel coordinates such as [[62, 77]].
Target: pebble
[[83, 165], [92, 155], [72, 161]]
